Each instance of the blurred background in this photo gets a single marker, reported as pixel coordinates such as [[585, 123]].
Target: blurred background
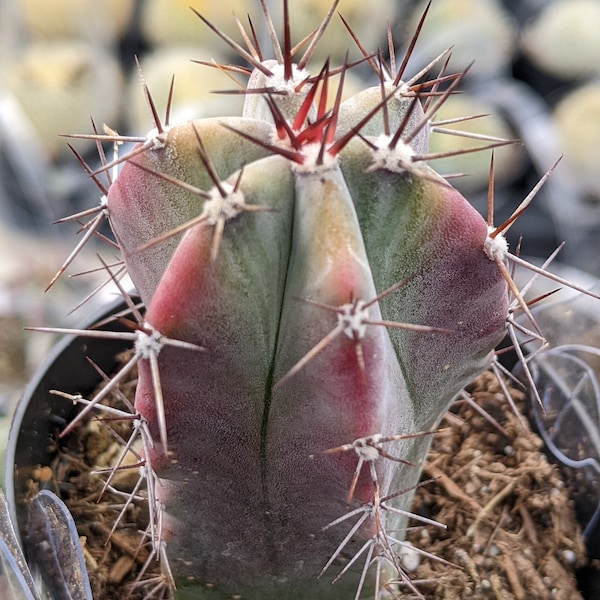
[[62, 63]]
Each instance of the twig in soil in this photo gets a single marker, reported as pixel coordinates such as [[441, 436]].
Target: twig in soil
[[528, 524], [489, 507], [453, 490], [512, 575]]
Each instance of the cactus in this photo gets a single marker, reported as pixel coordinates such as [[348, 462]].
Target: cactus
[[316, 296]]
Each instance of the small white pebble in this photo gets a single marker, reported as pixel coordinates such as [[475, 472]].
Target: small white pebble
[[410, 559], [509, 450], [569, 556]]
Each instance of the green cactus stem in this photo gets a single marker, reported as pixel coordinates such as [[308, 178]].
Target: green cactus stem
[[302, 355]]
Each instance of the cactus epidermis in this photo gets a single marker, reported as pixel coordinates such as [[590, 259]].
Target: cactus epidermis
[[341, 293], [302, 355]]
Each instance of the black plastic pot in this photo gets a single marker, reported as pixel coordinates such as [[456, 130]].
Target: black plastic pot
[[41, 416]]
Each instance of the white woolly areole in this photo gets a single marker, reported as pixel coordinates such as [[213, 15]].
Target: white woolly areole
[[157, 140], [398, 159], [352, 318], [401, 89], [496, 247], [278, 82], [217, 208], [148, 344], [366, 448], [311, 153]]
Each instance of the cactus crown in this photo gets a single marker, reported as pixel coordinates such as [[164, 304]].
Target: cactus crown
[[315, 298]]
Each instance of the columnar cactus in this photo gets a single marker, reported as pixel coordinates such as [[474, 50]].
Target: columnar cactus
[[316, 297]]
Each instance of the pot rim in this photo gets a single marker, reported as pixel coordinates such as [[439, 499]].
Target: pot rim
[[39, 415]]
